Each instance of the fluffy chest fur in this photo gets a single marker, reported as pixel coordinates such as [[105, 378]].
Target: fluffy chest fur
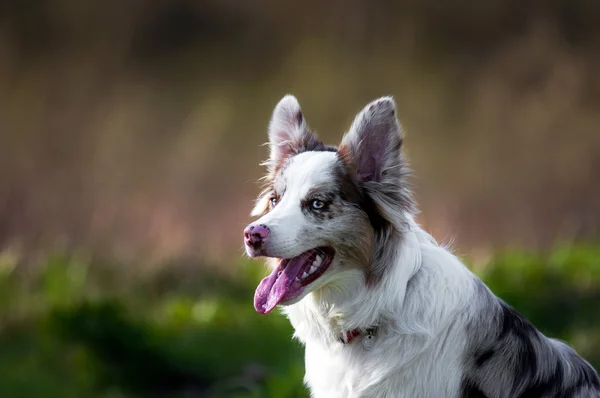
[[396, 366], [418, 352], [335, 371]]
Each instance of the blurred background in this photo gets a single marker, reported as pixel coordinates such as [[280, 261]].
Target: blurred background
[[130, 142]]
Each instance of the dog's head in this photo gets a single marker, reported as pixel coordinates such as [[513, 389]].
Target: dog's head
[[327, 212]]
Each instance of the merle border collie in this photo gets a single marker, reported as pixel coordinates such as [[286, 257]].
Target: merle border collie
[[381, 308]]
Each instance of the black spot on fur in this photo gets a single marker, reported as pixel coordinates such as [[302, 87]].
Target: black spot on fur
[[586, 377], [527, 359], [523, 334], [507, 321], [545, 386], [299, 118], [469, 389], [482, 357], [515, 324], [378, 222]]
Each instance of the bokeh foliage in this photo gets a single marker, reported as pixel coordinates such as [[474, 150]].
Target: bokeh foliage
[[77, 328]]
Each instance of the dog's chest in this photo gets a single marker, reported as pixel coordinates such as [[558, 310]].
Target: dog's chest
[[342, 371], [351, 371]]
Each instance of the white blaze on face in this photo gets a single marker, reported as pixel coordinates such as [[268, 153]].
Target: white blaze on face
[[286, 220], [357, 188]]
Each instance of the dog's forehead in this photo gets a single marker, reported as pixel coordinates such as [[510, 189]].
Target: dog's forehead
[[309, 169]]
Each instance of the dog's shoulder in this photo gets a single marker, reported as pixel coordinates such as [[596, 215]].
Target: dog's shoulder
[[508, 357]]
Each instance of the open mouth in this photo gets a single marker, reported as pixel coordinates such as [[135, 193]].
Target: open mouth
[[290, 277]]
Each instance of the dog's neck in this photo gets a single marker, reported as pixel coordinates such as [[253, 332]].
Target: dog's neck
[[355, 307], [400, 301], [330, 324]]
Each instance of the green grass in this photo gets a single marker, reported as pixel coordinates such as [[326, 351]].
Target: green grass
[[81, 329]]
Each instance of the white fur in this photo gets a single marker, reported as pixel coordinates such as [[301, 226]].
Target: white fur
[[403, 362]]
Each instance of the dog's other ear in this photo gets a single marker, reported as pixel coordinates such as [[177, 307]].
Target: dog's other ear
[[288, 133], [372, 146]]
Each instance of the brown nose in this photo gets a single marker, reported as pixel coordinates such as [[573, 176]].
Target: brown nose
[[255, 235]]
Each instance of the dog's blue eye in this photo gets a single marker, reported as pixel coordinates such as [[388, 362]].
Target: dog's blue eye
[[317, 204]]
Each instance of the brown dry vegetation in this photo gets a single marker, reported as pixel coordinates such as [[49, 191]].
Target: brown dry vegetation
[[134, 128]]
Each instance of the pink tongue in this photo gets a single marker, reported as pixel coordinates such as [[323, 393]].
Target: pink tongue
[[273, 289]]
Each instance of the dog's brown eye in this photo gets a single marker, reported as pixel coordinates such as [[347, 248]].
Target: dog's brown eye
[[317, 204], [273, 201]]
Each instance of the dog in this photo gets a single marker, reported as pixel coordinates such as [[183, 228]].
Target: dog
[[381, 308]]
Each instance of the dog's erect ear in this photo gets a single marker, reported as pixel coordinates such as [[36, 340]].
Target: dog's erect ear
[[372, 146], [288, 132]]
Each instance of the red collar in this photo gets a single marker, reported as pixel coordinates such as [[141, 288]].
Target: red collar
[[349, 336], [346, 338]]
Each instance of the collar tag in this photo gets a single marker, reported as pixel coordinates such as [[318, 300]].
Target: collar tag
[[369, 340]]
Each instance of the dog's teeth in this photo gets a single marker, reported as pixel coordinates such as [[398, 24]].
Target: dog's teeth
[[318, 261], [305, 274], [297, 279], [312, 269]]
